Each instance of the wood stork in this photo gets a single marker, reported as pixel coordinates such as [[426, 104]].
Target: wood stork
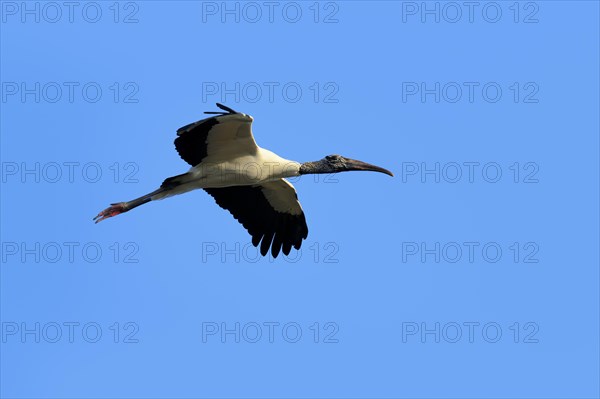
[[244, 179]]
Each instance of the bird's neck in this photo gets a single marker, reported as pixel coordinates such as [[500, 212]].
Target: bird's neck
[[313, 168]]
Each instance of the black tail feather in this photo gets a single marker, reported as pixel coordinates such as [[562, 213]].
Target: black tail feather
[[224, 108]]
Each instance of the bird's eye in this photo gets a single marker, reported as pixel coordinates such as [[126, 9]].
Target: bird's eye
[[332, 157]]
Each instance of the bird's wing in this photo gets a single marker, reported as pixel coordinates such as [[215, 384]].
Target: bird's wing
[[228, 133], [269, 211]]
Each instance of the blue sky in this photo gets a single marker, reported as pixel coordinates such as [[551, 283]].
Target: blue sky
[[472, 273]]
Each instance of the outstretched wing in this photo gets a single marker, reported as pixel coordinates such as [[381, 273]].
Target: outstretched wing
[[270, 212], [228, 133]]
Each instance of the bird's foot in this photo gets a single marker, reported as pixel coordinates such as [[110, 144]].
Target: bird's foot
[[112, 210]]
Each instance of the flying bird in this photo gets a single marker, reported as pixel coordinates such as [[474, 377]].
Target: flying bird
[[243, 178]]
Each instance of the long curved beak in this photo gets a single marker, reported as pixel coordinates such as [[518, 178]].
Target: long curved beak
[[353, 164]]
